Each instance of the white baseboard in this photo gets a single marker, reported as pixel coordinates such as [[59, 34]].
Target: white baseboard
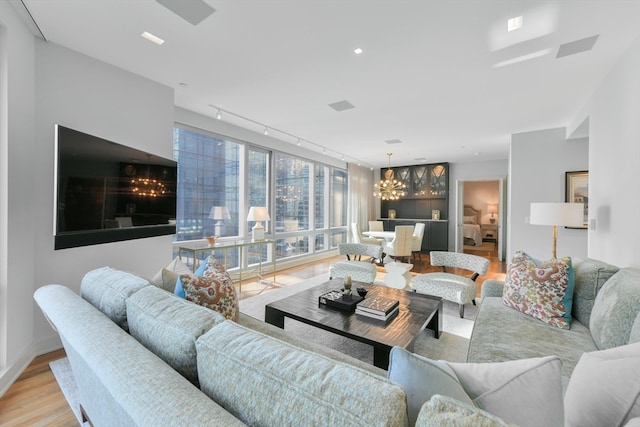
[[9, 375]]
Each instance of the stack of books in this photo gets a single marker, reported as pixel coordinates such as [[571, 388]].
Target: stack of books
[[377, 307]]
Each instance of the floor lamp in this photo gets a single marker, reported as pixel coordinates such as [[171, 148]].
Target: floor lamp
[[557, 214]]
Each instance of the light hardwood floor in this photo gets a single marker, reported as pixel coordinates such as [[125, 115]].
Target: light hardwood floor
[[36, 400]]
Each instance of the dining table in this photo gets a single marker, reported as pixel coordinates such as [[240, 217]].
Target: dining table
[[386, 235]]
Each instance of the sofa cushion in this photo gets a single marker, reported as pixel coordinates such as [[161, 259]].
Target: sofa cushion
[[447, 411], [166, 278], [543, 290], [500, 334], [107, 290], [422, 378], [615, 309], [634, 336], [265, 381], [590, 276], [215, 292], [605, 388], [527, 392], [169, 327]]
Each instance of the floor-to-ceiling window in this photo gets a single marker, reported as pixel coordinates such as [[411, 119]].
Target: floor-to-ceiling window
[[219, 179], [208, 185], [292, 202]]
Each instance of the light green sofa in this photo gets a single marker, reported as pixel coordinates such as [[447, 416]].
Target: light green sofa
[[606, 303], [144, 357]]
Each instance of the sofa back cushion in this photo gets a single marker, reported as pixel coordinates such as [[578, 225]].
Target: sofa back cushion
[[590, 276], [169, 326], [107, 290], [615, 309], [264, 381]]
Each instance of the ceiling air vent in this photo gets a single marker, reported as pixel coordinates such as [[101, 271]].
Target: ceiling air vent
[[193, 11], [577, 46], [342, 105], [393, 141]]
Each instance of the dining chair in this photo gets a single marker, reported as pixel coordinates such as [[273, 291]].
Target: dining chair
[[376, 226], [358, 237], [402, 243], [418, 235]]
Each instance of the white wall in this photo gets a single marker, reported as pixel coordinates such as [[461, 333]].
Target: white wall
[[17, 203], [537, 166], [220, 127], [473, 171], [84, 94], [614, 163]]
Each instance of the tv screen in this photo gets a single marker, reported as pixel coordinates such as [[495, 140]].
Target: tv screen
[[106, 192]]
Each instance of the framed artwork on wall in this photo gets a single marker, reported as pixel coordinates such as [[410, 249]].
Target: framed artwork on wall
[[577, 191]]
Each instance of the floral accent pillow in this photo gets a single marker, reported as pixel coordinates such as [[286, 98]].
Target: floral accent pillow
[[543, 290], [215, 292], [213, 266]]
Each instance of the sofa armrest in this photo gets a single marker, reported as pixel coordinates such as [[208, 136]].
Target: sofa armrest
[[491, 288]]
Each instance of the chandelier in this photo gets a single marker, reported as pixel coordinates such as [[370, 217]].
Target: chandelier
[[389, 188], [147, 187]]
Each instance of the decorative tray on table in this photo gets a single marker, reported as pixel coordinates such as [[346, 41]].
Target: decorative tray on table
[[336, 299]]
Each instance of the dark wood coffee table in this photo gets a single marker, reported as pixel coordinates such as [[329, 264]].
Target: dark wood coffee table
[[416, 312]]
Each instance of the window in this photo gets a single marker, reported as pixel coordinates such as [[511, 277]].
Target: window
[[307, 201], [208, 177]]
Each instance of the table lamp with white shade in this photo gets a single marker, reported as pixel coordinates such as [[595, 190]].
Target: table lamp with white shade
[[555, 214], [492, 209], [219, 214], [258, 214]]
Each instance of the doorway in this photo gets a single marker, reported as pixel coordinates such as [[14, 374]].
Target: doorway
[[480, 217]]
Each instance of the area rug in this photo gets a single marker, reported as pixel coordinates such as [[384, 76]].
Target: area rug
[[64, 376], [451, 346]]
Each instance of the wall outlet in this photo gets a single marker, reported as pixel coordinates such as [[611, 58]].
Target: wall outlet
[[526, 220]]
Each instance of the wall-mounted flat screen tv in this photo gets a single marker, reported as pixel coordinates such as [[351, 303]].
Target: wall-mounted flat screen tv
[[107, 192]]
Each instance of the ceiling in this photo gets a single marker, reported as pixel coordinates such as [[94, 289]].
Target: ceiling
[[442, 76]]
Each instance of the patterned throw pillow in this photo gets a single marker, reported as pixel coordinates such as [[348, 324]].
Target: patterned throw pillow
[[215, 292], [543, 290], [213, 266]]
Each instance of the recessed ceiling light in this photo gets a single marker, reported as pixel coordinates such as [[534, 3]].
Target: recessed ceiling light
[[155, 39], [358, 51], [420, 159], [514, 23]]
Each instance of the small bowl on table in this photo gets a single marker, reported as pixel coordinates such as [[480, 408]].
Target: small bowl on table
[[362, 292]]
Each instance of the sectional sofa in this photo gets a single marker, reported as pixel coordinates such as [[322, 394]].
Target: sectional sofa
[[142, 356], [605, 311]]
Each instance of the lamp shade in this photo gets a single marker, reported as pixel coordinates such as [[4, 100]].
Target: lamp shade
[[219, 212], [565, 214], [492, 208], [258, 213]]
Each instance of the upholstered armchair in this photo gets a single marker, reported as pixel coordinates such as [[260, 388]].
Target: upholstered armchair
[[402, 244], [449, 286], [354, 266]]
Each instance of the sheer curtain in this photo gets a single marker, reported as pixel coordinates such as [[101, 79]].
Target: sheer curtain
[[361, 207]]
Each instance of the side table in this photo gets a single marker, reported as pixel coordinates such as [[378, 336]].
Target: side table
[[398, 274], [489, 232]]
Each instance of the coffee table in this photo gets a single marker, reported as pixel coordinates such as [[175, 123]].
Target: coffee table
[[416, 312]]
